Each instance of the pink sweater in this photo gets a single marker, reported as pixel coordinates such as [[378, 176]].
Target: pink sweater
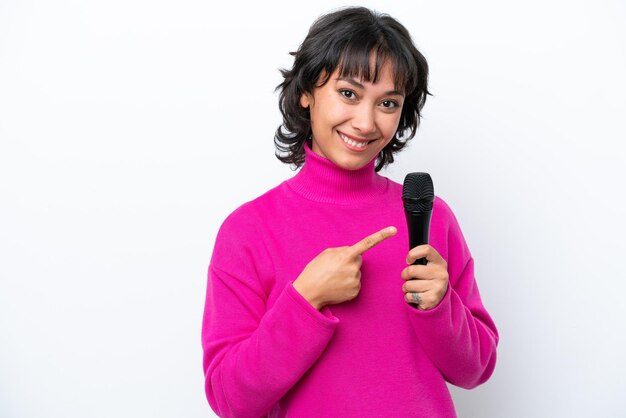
[[269, 352]]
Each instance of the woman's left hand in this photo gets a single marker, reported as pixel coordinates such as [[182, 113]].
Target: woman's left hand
[[425, 285]]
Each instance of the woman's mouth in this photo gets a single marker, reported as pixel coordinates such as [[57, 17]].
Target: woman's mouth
[[354, 144]]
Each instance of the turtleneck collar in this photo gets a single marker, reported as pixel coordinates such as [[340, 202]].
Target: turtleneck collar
[[322, 180]]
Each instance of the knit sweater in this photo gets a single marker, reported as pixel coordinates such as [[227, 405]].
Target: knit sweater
[[269, 353]]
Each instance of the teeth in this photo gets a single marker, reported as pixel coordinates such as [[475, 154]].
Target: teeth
[[351, 142]]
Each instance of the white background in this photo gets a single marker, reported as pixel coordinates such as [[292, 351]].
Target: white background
[[130, 129]]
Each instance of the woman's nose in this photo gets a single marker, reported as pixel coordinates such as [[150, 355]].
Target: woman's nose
[[363, 120]]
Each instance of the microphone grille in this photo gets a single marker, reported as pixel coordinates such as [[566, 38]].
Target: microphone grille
[[418, 192]]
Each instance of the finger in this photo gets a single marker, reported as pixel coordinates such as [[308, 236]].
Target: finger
[[416, 286], [417, 271], [372, 240], [422, 300], [424, 251], [414, 298]]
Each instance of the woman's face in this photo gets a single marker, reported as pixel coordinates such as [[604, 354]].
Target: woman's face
[[352, 120]]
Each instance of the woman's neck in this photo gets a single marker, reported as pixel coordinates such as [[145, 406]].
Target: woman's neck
[[322, 180]]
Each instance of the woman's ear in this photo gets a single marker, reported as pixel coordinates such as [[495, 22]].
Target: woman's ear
[[305, 100]]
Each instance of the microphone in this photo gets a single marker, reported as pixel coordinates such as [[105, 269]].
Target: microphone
[[418, 195]]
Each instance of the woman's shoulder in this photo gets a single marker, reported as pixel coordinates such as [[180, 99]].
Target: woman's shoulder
[[250, 212], [441, 206]]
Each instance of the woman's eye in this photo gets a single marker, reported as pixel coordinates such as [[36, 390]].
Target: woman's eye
[[390, 104], [348, 94]]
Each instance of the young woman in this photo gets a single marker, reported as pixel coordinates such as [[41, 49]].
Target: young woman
[[313, 307]]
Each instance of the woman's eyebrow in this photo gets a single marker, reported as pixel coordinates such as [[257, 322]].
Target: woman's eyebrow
[[361, 86]]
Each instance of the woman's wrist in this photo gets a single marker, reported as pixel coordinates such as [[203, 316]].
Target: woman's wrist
[[308, 295]]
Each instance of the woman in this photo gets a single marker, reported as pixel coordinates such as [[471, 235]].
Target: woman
[[313, 306]]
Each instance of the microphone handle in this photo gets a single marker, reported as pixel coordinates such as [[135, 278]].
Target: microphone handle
[[418, 224]]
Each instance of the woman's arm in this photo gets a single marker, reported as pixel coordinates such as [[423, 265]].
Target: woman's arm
[[458, 335], [254, 355]]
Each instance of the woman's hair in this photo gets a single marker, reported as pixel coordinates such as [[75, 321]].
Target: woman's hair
[[345, 39]]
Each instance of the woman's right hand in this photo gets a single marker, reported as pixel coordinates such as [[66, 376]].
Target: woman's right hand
[[334, 276]]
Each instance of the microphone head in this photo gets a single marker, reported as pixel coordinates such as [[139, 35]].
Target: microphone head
[[418, 192]]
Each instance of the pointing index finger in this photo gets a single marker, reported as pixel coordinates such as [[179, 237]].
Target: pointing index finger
[[374, 239]]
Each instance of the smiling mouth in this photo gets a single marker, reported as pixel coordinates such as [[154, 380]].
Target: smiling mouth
[[354, 143]]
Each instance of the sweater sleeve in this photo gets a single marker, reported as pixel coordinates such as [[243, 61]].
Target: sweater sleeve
[[458, 335], [254, 355]]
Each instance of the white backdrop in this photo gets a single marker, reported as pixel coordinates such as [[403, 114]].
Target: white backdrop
[[129, 129]]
